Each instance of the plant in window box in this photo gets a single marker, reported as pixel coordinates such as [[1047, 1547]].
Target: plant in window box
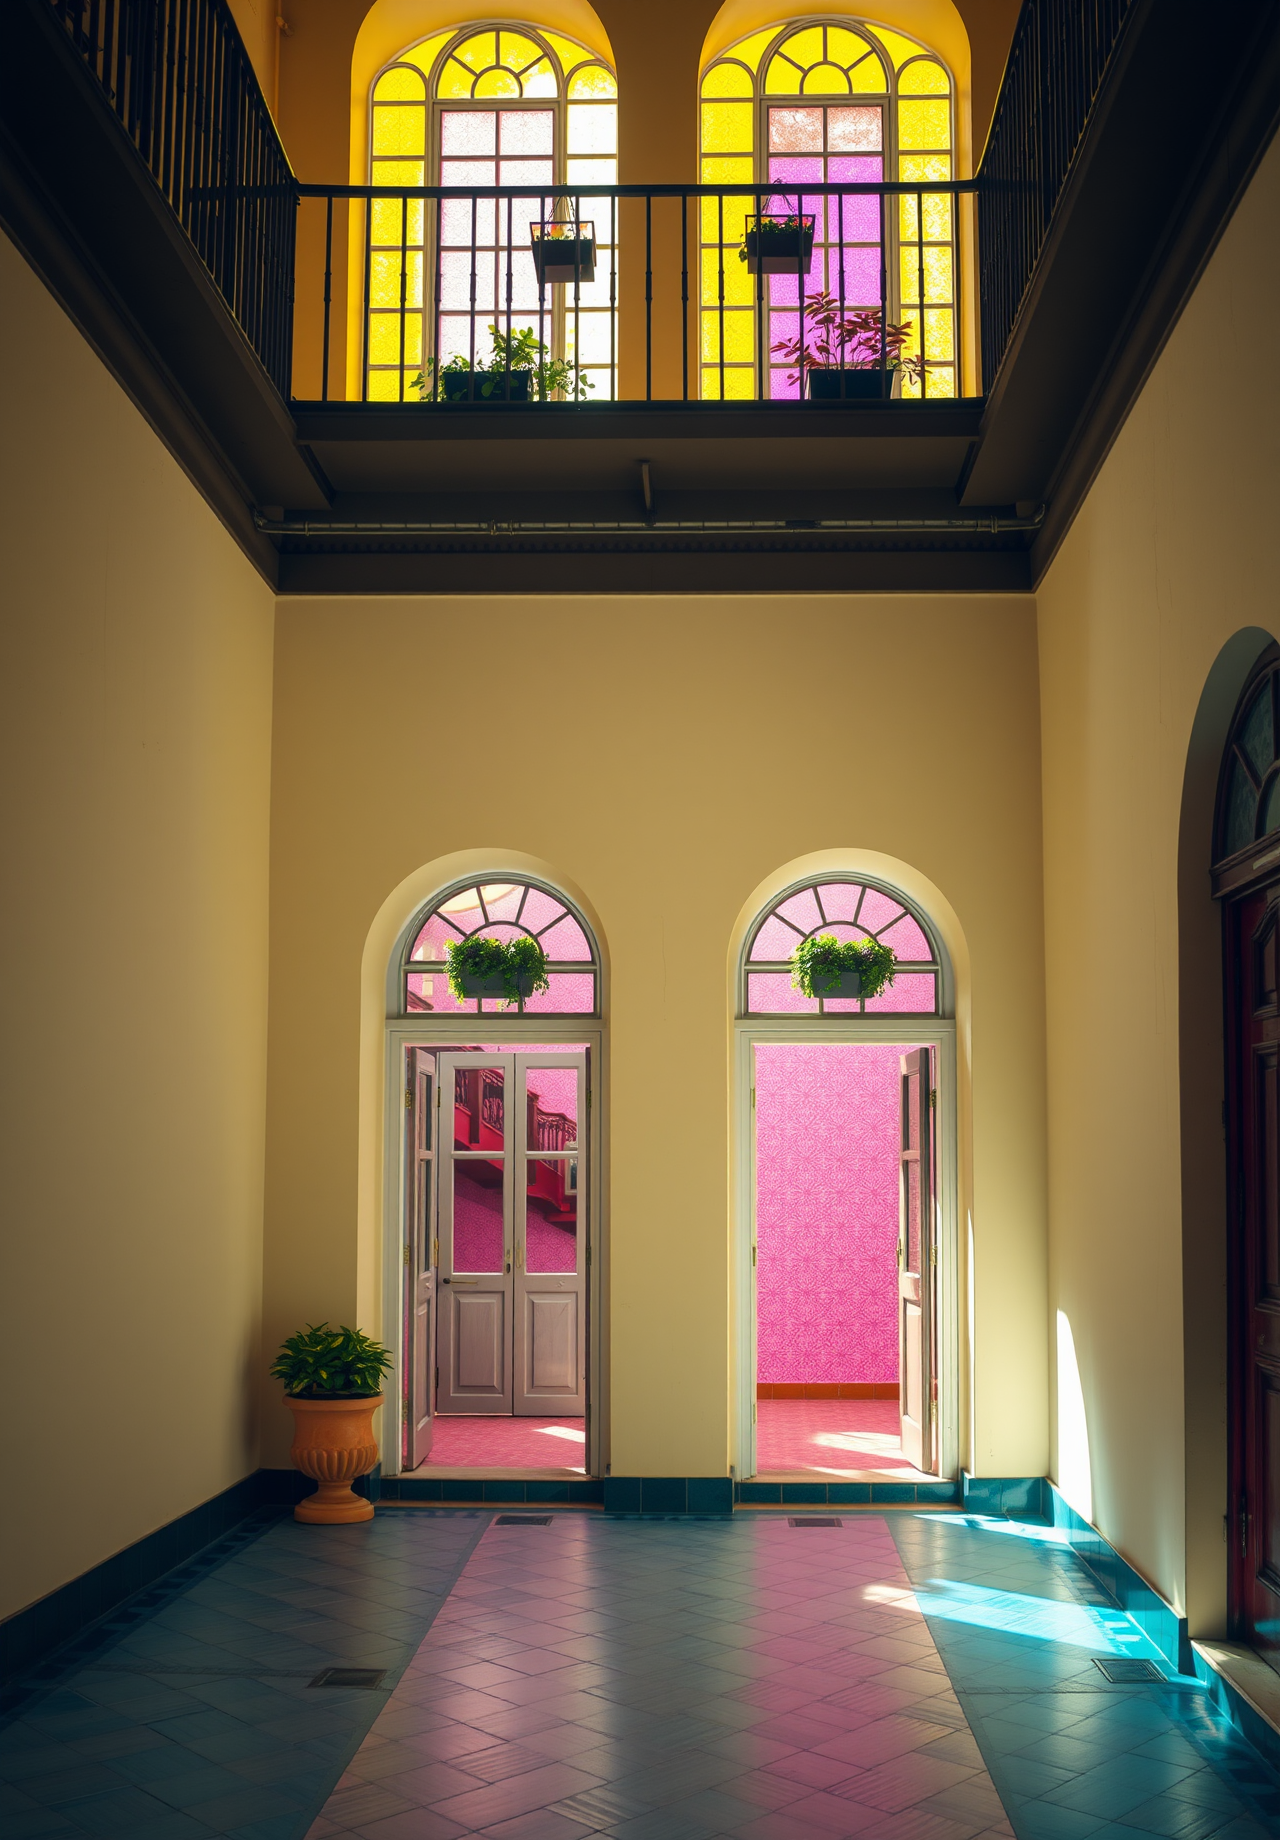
[[563, 251], [829, 967], [849, 354], [777, 243], [518, 369], [333, 1386], [510, 971]]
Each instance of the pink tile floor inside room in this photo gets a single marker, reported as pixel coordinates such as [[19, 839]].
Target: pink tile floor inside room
[[508, 1443], [836, 1437]]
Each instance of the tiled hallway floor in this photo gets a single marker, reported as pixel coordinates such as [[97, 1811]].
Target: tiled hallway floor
[[908, 1677], [506, 1443], [835, 1437]]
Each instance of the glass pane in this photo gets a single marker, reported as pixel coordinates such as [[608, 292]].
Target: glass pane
[[1271, 808], [551, 1214], [854, 130], [878, 910], [552, 1098], [478, 1108], [502, 899], [913, 1214], [840, 899], [912, 994], [795, 131], [1241, 808], [477, 1216], [571, 994], [907, 940], [775, 940], [802, 911], [525, 133], [463, 909], [565, 939], [1256, 736], [771, 993], [468, 131], [540, 910]]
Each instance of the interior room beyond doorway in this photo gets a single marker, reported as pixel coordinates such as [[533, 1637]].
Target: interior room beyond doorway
[[829, 1167]]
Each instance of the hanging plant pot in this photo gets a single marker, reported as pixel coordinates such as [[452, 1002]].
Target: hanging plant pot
[[825, 383], [485, 386], [846, 987], [495, 985], [778, 245], [563, 252]]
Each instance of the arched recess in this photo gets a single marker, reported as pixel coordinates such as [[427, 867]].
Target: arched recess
[[917, 31], [950, 1030], [384, 1028]]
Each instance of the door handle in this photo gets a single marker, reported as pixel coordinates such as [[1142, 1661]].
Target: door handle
[[460, 1280]]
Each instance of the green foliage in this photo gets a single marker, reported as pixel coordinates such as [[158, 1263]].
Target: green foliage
[[519, 350], [323, 1363], [488, 958], [816, 964], [780, 230]]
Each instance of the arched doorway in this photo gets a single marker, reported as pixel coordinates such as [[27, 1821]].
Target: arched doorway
[[846, 1256], [497, 1154], [1246, 879]]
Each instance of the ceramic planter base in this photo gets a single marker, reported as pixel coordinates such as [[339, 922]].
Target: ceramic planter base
[[333, 1443]]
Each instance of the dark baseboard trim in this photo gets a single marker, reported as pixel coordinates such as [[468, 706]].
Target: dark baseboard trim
[[845, 1494]]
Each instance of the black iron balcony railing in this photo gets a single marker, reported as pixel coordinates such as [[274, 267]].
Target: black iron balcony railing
[[673, 292], [180, 82], [177, 77], [1060, 53]]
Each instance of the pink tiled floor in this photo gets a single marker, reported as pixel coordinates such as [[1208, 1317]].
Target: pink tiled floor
[[508, 1443], [832, 1435], [590, 1676]]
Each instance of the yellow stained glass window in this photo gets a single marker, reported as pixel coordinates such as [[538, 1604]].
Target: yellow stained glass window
[[455, 80], [569, 54], [423, 57], [907, 136], [479, 51], [497, 83], [399, 131], [595, 83], [400, 85]]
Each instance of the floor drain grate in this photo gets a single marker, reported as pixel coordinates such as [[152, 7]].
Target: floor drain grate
[[523, 1520], [1120, 1671], [349, 1677], [814, 1520]]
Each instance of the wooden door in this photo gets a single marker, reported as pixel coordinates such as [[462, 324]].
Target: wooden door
[[474, 1210], [1253, 1162], [549, 1304], [420, 1260], [917, 1260]]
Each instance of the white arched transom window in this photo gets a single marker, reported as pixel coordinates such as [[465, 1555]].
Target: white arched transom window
[[846, 909], [503, 910]]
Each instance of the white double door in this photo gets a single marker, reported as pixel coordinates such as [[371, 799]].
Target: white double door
[[511, 1234]]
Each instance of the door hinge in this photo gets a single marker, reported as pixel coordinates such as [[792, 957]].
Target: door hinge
[[406, 1255], [588, 1252], [933, 1255], [435, 1252], [437, 1379], [404, 1410], [408, 1098], [933, 1098], [753, 1412], [753, 1258], [753, 1098]]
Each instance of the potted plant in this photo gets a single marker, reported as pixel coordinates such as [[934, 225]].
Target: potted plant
[[493, 968], [518, 368], [853, 354], [563, 251], [829, 967], [778, 244], [333, 1386]]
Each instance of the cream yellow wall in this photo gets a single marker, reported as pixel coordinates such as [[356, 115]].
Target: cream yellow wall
[[1173, 554], [135, 741], [664, 756]]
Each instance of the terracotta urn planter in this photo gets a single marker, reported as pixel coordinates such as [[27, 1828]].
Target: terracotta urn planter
[[333, 1443]]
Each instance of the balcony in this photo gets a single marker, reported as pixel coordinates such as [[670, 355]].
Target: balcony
[[251, 317]]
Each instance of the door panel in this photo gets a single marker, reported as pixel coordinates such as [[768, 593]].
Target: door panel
[[475, 1233], [420, 1285], [917, 1260], [550, 1260]]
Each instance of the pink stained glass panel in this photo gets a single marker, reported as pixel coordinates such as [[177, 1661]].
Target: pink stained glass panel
[[912, 993], [565, 940], [878, 910], [571, 994], [477, 1216], [775, 940], [468, 131], [796, 131], [855, 130], [497, 930], [525, 132], [802, 911], [771, 993], [539, 910], [907, 940], [431, 941], [840, 899], [502, 899], [551, 1214], [479, 1109], [555, 1090]]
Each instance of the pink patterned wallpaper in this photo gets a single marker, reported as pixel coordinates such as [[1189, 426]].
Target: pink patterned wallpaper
[[827, 1212]]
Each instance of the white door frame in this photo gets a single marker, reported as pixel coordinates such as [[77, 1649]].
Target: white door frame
[[469, 1031], [905, 1031]]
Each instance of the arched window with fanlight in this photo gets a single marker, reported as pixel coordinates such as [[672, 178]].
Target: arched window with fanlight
[[506, 911], [492, 105], [828, 101], [1249, 788], [846, 908]]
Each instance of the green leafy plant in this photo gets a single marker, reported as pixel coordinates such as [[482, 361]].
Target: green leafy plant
[[859, 340], [491, 958], [817, 964], [518, 350], [778, 229], [323, 1363]]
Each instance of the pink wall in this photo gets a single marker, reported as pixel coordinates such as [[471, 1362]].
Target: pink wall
[[827, 1213]]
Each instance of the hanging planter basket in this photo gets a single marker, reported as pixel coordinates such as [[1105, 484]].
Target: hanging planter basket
[[563, 252], [495, 985], [485, 386], [778, 245], [825, 383]]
